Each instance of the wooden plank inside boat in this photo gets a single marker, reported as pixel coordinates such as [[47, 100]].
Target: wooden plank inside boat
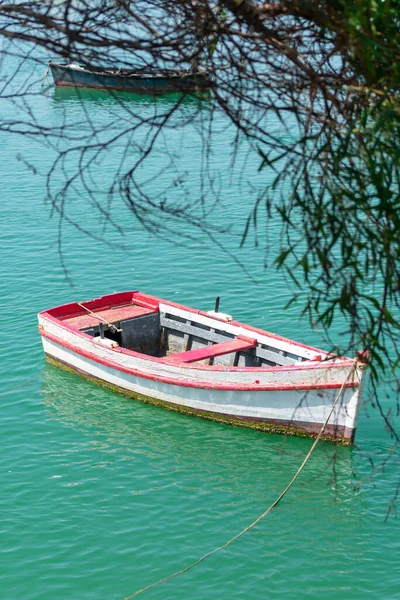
[[236, 345], [111, 315]]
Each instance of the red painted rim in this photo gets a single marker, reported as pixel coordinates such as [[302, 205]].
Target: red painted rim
[[147, 300], [192, 384]]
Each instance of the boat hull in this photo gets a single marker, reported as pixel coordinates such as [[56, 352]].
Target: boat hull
[[71, 77], [298, 410]]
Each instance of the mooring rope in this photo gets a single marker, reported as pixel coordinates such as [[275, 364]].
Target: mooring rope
[[265, 513], [18, 387], [97, 316]]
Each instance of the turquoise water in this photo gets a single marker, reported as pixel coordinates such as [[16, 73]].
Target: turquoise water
[[101, 495]]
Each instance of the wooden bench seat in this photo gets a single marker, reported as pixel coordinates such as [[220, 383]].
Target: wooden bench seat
[[236, 345]]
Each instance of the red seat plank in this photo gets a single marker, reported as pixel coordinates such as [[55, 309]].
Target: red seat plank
[[236, 345]]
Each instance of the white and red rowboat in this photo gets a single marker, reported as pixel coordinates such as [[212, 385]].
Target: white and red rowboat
[[204, 363]]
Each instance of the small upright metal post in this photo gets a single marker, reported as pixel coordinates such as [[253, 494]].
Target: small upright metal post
[[217, 299], [101, 329]]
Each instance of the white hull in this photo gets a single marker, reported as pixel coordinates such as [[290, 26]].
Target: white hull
[[304, 409]]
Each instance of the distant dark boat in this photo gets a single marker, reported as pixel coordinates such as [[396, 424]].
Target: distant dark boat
[[141, 81]]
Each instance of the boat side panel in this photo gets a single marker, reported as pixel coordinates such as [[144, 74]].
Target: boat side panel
[[82, 78], [277, 378], [333, 433], [293, 406]]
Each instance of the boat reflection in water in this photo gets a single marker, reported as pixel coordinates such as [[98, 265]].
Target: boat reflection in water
[[112, 97], [191, 452]]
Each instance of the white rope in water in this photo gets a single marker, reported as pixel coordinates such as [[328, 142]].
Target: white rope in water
[[264, 514], [18, 387], [45, 76]]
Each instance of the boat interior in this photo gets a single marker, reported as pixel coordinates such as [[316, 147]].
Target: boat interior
[[177, 334], [147, 72]]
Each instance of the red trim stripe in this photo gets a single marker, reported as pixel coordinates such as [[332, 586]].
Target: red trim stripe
[[343, 362], [193, 384]]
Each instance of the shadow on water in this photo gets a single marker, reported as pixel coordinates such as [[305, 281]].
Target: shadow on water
[[73, 95], [239, 456]]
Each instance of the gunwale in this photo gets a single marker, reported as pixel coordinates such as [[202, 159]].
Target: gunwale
[[326, 361]]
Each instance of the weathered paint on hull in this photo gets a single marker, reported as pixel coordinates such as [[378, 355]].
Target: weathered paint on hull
[[64, 77], [213, 404], [335, 434]]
